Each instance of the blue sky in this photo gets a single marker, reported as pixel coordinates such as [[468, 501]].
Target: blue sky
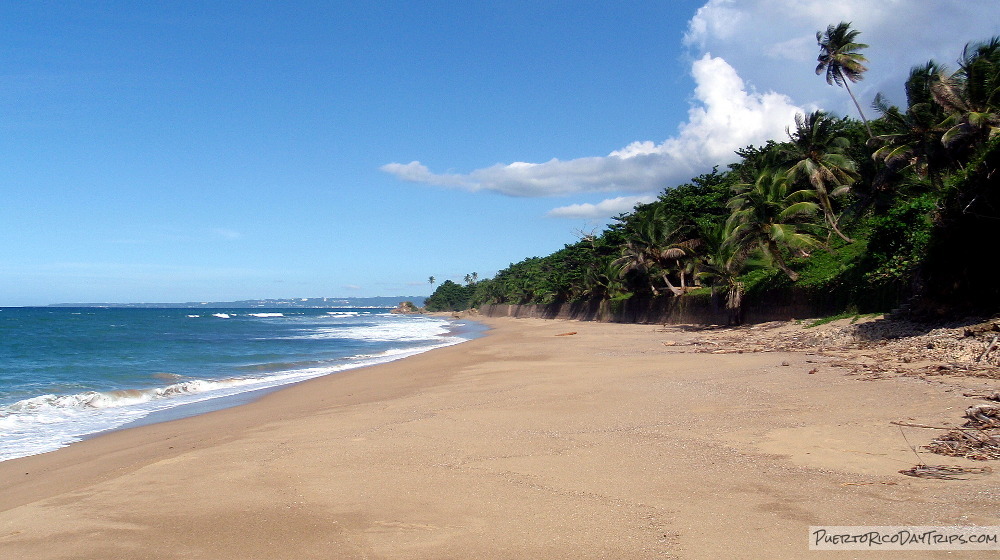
[[183, 151]]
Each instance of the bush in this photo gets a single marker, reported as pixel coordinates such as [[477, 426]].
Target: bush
[[450, 296]]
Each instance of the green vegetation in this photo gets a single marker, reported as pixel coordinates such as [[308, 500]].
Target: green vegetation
[[450, 296], [844, 215], [853, 316]]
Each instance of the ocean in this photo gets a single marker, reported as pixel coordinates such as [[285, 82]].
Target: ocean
[[69, 373]]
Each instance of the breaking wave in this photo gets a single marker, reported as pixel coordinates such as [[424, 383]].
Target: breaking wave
[[47, 422]]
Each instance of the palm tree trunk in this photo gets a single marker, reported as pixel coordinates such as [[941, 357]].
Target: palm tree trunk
[[833, 225], [734, 301], [673, 289], [779, 261], [831, 218], [855, 100]]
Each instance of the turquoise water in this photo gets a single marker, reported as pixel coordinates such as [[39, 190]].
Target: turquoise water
[[66, 373]]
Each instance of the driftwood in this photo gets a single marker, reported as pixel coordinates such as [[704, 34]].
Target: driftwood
[[989, 348], [977, 445], [983, 415], [912, 425], [944, 472], [972, 441], [978, 439], [990, 397]]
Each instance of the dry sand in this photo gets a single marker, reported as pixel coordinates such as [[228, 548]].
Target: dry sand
[[618, 441]]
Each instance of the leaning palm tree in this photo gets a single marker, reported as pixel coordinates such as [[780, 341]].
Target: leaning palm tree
[[721, 268], [913, 137], [602, 280], [769, 215], [840, 58], [817, 154], [647, 249], [643, 256], [971, 96], [684, 253]]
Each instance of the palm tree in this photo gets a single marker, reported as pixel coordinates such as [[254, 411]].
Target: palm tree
[[685, 255], [638, 256], [604, 281], [721, 267], [769, 215], [817, 154], [840, 59], [913, 140], [971, 96], [431, 280], [652, 245]]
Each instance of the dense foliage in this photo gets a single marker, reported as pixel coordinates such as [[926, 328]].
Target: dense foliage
[[860, 215], [450, 296]]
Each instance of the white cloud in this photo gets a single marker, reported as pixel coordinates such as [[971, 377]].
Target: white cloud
[[603, 209], [725, 116], [772, 43], [753, 64], [418, 173], [718, 18]]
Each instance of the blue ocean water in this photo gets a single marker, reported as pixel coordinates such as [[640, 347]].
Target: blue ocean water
[[66, 373]]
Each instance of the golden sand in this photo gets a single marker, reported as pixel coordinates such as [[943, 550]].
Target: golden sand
[[611, 441]]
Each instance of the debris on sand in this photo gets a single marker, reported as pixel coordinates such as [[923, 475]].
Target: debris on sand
[[944, 472], [978, 438], [985, 415], [979, 445]]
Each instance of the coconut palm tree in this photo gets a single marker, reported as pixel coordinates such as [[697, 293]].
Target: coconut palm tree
[[684, 253], [722, 267], [769, 215], [913, 139], [603, 280], [840, 58], [971, 96], [818, 155], [652, 246]]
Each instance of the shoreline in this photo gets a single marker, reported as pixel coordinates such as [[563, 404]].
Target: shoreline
[[464, 331], [182, 396], [614, 441]]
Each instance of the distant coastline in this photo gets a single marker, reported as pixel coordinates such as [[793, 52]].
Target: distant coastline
[[379, 302]]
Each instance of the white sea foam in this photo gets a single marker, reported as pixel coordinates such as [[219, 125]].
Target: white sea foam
[[267, 314], [47, 422], [221, 315], [404, 330]]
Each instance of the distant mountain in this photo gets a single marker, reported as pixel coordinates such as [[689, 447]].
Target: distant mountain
[[384, 301]]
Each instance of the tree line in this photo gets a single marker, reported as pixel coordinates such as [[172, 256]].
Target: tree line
[[859, 214]]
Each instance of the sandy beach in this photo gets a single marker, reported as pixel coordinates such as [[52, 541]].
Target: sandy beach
[[544, 439]]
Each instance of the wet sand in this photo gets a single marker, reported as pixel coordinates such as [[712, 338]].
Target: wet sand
[[618, 441]]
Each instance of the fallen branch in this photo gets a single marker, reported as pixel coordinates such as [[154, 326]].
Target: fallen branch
[[912, 425], [989, 348], [986, 414], [946, 472], [990, 397]]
